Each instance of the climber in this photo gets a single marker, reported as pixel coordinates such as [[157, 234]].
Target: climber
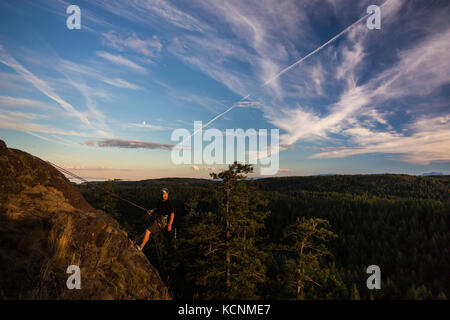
[[162, 212]]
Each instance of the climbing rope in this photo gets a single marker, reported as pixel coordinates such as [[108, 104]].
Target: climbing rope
[[163, 268], [65, 171]]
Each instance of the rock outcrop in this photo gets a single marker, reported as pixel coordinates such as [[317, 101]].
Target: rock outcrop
[[46, 225]]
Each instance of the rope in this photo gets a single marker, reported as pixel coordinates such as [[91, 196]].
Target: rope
[[95, 186]]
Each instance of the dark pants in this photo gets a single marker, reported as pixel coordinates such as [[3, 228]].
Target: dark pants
[[158, 224]]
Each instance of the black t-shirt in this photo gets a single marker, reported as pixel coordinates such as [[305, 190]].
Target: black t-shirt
[[163, 208]]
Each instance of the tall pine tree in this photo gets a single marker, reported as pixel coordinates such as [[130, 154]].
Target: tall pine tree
[[224, 242], [304, 242]]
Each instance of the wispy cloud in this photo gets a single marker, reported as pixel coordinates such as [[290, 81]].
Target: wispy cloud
[[22, 122], [154, 12], [260, 37], [380, 92], [120, 83], [120, 60], [146, 126], [13, 102], [358, 119], [40, 85], [147, 47], [34, 134], [429, 142], [76, 68]]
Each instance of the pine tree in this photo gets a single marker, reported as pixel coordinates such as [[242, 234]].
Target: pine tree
[[304, 241], [224, 242]]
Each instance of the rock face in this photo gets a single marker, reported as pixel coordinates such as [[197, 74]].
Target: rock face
[[46, 225]]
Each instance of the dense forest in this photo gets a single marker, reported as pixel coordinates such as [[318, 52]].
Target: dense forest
[[292, 237]]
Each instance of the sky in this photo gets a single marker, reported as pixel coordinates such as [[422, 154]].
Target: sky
[[104, 100]]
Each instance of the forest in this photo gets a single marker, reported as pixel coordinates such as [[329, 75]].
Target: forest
[[292, 237]]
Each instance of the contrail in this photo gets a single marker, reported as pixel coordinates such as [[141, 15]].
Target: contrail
[[285, 70]]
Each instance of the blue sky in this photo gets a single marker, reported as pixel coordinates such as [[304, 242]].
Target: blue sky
[[103, 101]]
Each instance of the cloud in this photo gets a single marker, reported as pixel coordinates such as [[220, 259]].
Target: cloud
[[260, 37], [120, 60], [285, 170], [20, 122], [428, 143], [13, 102], [45, 138], [360, 119], [207, 103], [17, 122], [120, 83], [23, 116], [351, 57], [132, 144], [152, 13], [147, 47], [41, 85], [269, 49], [145, 125], [89, 143], [75, 68], [248, 104], [355, 93], [94, 113], [420, 71], [234, 80], [12, 82]]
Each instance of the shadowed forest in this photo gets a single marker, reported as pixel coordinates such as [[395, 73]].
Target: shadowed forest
[[293, 237]]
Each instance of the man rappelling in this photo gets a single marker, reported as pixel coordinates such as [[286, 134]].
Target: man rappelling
[[161, 212]]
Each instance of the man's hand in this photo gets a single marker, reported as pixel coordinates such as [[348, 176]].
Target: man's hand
[[150, 211]]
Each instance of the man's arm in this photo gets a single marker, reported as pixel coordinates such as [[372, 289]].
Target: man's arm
[[172, 215]]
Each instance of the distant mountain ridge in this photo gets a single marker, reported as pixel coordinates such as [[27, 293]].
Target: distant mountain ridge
[[432, 174], [383, 185], [46, 225]]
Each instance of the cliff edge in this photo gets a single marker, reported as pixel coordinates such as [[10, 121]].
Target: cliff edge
[[46, 225]]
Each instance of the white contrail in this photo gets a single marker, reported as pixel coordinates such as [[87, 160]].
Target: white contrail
[[218, 116], [313, 52], [285, 70]]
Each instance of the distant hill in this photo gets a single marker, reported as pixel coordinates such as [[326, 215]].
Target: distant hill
[[46, 225], [398, 222], [430, 174], [381, 185]]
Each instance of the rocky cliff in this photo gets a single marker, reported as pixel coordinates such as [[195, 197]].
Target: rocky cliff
[[46, 225]]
